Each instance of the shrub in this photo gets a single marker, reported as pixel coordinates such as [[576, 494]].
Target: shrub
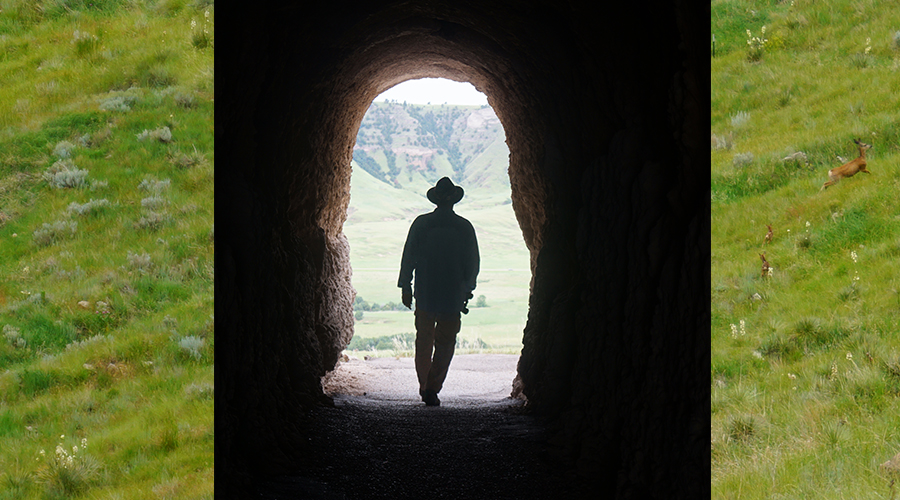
[[741, 119], [121, 100], [116, 103], [891, 366], [203, 390], [51, 233], [68, 474], [741, 160], [723, 142], [154, 186], [140, 262], [152, 221], [64, 174], [383, 343], [186, 101], [153, 202], [188, 160], [63, 150], [89, 207], [481, 302], [162, 134], [470, 344], [192, 346], [170, 323], [85, 43], [13, 337]]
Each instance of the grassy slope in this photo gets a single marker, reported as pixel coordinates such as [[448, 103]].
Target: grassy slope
[[114, 374], [378, 222], [806, 402]]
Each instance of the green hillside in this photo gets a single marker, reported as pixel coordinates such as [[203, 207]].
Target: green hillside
[[106, 249], [401, 151], [805, 361]]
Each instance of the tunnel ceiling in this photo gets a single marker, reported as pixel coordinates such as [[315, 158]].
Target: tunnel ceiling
[[607, 184]]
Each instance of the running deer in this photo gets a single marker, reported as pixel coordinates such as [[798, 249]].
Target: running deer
[[769, 235], [849, 169], [765, 265]]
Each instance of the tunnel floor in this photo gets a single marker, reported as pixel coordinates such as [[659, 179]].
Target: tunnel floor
[[381, 445]]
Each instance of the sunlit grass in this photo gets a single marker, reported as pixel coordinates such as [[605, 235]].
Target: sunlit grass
[[107, 328], [805, 400]]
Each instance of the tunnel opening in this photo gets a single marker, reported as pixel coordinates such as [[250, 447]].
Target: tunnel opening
[[607, 188], [412, 135]]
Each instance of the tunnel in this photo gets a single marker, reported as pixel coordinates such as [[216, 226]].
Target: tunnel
[[604, 110]]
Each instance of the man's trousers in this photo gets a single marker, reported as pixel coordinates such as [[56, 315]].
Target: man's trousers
[[434, 332]]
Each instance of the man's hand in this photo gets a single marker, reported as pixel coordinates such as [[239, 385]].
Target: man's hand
[[465, 307], [406, 297]]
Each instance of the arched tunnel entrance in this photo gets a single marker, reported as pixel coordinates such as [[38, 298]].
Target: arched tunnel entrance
[[612, 200], [412, 135]]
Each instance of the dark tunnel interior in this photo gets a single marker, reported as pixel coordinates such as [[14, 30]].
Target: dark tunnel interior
[[604, 112]]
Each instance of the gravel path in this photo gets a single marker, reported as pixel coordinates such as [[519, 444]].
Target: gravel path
[[472, 379], [380, 441]]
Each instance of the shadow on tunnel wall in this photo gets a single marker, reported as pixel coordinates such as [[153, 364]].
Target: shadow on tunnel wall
[[605, 113]]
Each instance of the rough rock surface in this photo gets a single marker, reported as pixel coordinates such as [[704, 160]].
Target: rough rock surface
[[605, 124]]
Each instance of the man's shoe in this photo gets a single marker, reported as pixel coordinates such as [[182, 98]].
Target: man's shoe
[[431, 398]]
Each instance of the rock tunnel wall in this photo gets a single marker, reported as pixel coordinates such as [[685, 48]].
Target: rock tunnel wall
[[608, 183]]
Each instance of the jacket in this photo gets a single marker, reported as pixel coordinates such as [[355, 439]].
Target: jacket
[[442, 250]]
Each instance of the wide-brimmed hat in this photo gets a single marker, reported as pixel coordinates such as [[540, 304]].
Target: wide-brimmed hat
[[444, 192]]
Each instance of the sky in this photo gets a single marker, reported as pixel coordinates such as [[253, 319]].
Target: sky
[[435, 91]]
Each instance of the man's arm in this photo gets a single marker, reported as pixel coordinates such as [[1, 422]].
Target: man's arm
[[474, 260], [407, 264]]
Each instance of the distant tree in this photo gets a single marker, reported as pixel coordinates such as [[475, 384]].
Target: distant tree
[[358, 315], [359, 304], [481, 301]]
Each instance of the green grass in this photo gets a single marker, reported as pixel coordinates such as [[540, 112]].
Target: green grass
[[108, 330], [806, 397]]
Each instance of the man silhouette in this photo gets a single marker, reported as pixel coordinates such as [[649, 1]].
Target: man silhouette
[[442, 249]]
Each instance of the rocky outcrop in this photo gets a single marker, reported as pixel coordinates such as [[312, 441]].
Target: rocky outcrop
[[609, 185]]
